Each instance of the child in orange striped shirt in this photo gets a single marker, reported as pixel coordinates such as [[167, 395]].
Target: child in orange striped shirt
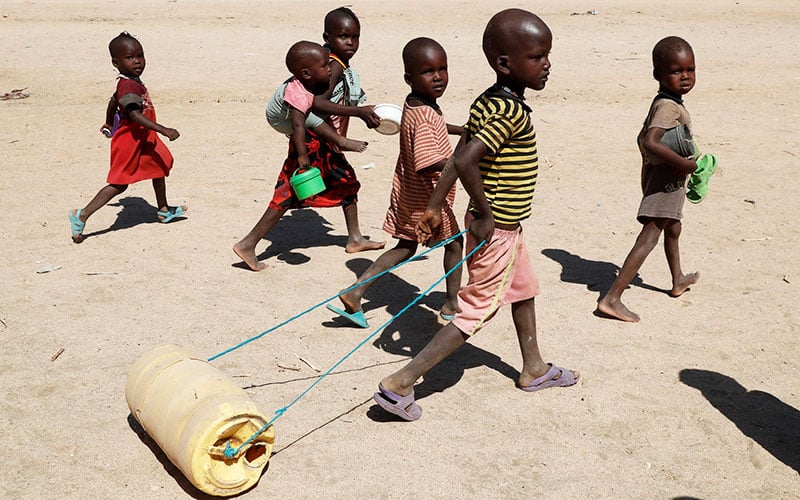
[[424, 151]]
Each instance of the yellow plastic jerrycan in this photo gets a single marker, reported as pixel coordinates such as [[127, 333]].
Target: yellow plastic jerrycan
[[191, 411]]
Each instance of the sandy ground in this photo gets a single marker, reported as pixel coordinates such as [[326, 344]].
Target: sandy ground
[[699, 400]]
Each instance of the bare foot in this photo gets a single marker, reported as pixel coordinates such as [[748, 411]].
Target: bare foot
[[616, 309], [346, 144], [248, 255], [684, 283], [362, 245]]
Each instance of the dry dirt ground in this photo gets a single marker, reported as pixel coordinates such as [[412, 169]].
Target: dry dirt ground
[[699, 400]]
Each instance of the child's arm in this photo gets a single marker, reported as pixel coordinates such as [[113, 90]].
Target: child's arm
[[464, 165], [298, 136], [663, 154], [136, 116], [323, 103], [440, 167], [455, 129], [434, 169], [431, 218], [111, 110]]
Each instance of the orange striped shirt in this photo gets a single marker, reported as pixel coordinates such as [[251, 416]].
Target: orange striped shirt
[[423, 143]]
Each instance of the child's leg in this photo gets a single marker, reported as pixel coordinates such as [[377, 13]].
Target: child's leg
[[404, 250], [246, 247], [533, 366], [446, 341], [355, 241], [102, 197], [453, 252], [680, 282], [645, 242], [160, 189], [327, 132]]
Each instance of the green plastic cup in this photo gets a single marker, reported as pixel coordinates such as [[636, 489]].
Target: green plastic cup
[[307, 183]]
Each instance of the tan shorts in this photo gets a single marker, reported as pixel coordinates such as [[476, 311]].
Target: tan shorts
[[500, 273]]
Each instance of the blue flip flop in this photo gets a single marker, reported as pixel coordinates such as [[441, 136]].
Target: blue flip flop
[[77, 225], [357, 318], [170, 214], [447, 317]]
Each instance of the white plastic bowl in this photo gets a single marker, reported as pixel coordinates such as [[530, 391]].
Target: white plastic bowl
[[390, 115]]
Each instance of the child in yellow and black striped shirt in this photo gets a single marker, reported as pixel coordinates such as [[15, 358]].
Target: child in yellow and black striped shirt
[[497, 164]]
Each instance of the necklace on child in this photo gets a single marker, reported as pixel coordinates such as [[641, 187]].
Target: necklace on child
[[663, 94], [510, 92], [424, 100]]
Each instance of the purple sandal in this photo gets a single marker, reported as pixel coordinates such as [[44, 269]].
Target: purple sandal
[[403, 406], [555, 377]]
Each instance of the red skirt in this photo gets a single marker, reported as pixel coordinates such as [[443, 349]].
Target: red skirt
[[341, 184], [137, 154]]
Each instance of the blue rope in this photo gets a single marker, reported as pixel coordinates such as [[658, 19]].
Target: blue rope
[[358, 284], [231, 452]]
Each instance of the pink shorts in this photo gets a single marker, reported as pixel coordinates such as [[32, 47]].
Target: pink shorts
[[500, 273]]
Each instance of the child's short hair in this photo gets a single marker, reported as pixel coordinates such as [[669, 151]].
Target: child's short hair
[[666, 47], [415, 46], [115, 42], [501, 30], [299, 54], [339, 13]]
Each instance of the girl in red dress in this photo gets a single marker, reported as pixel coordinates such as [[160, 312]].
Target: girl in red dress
[[137, 153]]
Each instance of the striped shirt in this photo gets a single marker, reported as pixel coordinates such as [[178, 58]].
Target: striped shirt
[[423, 143], [510, 167]]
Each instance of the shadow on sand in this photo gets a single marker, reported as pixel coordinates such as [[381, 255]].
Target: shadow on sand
[[409, 333], [759, 415], [171, 468], [299, 229], [595, 274], [134, 211]]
